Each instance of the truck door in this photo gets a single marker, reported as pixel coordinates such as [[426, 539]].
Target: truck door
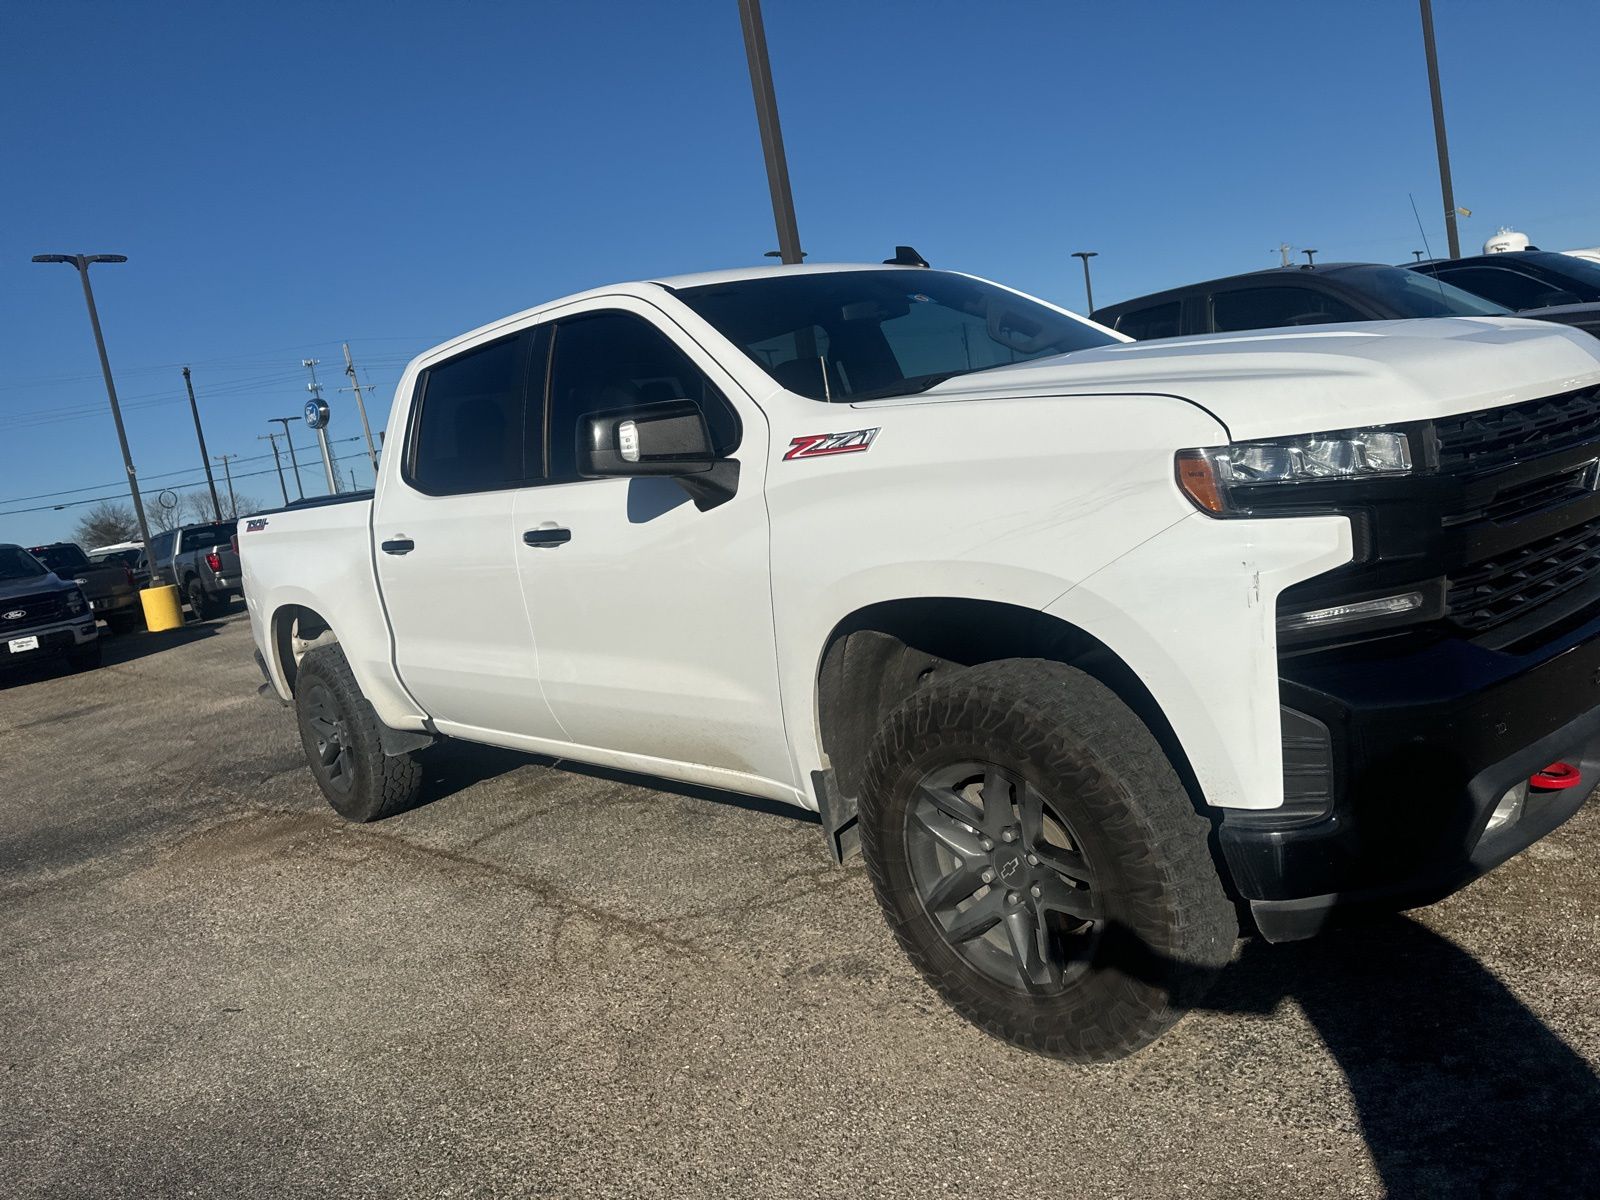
[[654, 619], [445, 546]]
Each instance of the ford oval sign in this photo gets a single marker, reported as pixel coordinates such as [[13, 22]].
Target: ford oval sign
[[317, 413], [16, 614]]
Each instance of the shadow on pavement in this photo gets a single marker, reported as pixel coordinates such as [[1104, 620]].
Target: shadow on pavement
[[1461, 1090]]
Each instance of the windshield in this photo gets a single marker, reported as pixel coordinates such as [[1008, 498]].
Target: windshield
[[856, 335], [1411, 295], [16, 563], [62, 559]]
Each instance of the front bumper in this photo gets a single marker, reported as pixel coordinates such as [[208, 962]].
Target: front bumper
[[54, 639], [1424, 744]]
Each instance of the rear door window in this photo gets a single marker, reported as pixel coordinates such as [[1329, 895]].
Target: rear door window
[[1277, 306], [1157, 321], [467, 432]]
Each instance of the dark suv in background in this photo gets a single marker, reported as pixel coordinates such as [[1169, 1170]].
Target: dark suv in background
[[1287, 296], [1531, 283]]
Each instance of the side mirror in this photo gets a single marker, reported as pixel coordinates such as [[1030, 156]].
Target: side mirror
[[670, 438]]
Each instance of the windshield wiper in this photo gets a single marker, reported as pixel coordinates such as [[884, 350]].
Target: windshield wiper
[[909, 386]]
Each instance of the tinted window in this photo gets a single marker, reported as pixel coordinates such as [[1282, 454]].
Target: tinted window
[[161, 546], [882, 333], [1157, 321], [1273, 307], [17, 563], [467, 433], [206, 536], [1406, 294], [616, 360], [62, 558], [1510, 288]]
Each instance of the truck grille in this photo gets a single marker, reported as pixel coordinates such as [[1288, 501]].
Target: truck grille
[[1497, 437], [36, 609], [1497, 589]]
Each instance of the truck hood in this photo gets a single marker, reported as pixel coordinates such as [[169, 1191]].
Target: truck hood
[[1270, 383], [31, 586]]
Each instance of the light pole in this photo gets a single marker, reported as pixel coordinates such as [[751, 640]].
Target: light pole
[[1311, 257], [277, 462], [82, 262], [293, 462], [1443, 145], [205, 460], [1088, 288], [755, 52]]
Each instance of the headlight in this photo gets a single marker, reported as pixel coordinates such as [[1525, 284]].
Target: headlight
[[76, 604], [1210, 477]]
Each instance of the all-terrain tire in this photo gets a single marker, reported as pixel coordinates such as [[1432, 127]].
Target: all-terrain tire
[[339, 731], [199, 603], [1166, 925]]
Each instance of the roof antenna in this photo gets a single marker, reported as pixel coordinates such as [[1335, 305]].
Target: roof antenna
[[827, 392], [1418, 218], [905, 256]]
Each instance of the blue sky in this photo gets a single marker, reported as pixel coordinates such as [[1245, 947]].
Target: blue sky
[[284, 177]]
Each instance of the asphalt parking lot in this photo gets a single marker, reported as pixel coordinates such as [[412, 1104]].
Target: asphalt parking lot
[[549, 983]]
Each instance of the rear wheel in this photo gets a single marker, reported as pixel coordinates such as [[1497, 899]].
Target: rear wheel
[[199, 603], [1040, 862], [339, 732]]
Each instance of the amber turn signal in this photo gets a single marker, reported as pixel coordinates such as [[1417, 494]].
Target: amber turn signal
[[1197, 479]]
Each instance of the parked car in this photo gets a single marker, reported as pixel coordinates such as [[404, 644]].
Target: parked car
[[1543, 284], [202, 561], [1286, 296], [1084, 640], [130, 555], [110, 587], [43, 616]]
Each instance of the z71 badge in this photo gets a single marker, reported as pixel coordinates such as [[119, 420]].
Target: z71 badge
[[817, 445]]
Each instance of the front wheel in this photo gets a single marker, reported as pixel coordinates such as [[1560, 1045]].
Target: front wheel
[[1040, 862], [339, 732]]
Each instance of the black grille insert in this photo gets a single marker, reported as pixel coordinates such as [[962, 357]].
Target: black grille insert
[[1496, 437], [36, 610], [1498, 589]]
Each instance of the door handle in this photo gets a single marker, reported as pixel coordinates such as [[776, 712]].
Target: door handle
[[402, 545], [547, 536]]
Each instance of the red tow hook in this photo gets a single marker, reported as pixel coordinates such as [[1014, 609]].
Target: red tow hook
[[1556, 777]]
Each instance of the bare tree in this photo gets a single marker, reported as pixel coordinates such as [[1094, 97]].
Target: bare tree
[[107, 523]]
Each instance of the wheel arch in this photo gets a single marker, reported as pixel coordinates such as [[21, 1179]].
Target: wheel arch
[[296, 629], [879, 654]]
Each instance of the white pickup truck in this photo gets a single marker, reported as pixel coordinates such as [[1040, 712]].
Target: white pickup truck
[[1103, 651]]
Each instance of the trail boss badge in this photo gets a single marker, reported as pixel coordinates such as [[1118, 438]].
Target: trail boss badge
[[818, 445]]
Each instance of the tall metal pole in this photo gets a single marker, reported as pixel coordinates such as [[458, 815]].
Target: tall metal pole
[[1438, 131], [355, 385], [233, 505], [82, 261], [277, 462], [755, 50], [315, 389], [1088, 289], [205, 460], [293, 461]]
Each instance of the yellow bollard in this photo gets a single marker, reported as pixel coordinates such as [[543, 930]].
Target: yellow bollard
[[162, 608]]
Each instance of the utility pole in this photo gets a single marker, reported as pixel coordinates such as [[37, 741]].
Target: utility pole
[[354, 486], [361, 407], [233, 505], [277, 462], [1440, 141], [1088, 289], [205, 461], [1283, 252], [755, 52], [293, 461], [321, 422]]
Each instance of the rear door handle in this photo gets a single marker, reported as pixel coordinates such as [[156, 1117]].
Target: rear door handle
[[398, 546], [547, 536]]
